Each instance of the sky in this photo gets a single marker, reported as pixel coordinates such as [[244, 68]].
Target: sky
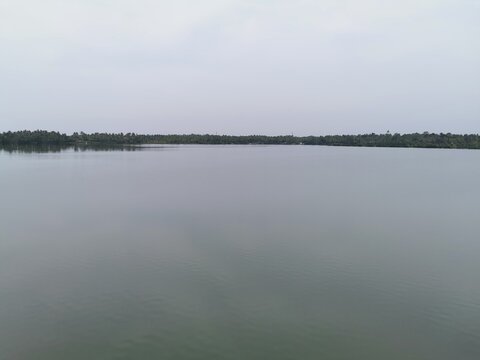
[[302, 67]]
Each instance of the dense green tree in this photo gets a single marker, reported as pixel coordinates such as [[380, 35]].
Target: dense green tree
[[424, 140]]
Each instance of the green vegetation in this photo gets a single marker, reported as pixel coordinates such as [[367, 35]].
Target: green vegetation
[[416, 140]]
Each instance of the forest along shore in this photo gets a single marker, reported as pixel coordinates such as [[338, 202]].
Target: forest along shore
[[414, 140]]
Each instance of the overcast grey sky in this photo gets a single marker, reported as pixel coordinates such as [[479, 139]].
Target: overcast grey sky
[[240, 66]]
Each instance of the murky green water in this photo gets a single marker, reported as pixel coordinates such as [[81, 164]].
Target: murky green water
[[241, 252]]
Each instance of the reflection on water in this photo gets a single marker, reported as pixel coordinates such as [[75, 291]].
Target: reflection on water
[[240, 252], [30, 149]]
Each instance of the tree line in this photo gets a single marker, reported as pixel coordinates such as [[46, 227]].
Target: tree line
[[415, 140]]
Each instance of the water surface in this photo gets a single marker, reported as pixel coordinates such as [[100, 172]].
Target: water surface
[[240, 252]]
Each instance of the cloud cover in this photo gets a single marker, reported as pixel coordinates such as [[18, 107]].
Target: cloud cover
[[240, 66]]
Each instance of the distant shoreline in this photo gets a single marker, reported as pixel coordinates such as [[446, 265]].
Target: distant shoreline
[[413, 140]]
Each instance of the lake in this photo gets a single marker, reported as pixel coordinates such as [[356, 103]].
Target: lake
[[240, 252]]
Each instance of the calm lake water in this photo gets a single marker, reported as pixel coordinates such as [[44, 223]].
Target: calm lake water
[[240, 252]]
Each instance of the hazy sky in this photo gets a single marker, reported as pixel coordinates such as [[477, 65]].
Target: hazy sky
[[240, 66]]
